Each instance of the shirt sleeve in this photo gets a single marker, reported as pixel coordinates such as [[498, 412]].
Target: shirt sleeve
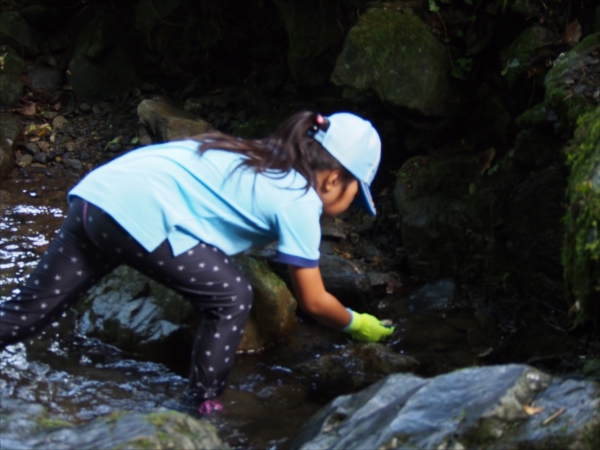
[[300, 234]]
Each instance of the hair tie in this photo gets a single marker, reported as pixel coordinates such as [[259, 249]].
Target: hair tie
[[320, 119]]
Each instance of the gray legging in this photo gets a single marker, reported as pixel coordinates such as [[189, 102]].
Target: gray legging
[[90, 244]]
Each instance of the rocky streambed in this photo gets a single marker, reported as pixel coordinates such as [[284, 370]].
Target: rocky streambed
[[70, 389]]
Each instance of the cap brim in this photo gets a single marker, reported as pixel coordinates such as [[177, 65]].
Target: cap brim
[[364, 199]]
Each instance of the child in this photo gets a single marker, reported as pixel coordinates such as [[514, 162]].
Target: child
[[177, 211]]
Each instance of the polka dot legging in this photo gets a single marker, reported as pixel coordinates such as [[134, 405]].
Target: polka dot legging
[[90, 244]]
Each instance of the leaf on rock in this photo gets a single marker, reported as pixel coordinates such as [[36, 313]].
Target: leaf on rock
[[573, 33]]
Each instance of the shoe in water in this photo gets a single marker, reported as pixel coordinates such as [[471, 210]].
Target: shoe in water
[[209, 406]]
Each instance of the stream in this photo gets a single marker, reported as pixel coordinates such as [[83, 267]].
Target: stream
[[78, 379]]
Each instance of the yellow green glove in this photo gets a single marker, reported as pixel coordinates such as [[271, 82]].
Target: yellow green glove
[[367, 328]]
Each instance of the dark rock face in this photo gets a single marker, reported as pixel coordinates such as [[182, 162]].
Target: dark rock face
[[462, 219], [472, 408]]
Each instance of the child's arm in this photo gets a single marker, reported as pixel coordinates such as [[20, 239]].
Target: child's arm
[[320, 304]]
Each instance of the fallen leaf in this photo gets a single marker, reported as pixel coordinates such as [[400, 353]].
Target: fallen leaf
[[573, 33], [532, 410]]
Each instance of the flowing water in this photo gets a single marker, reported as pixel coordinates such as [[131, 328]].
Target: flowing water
[[266, 401]]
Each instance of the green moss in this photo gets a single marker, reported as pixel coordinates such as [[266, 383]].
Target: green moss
[[581, 255], [383, 33], [46, 423]]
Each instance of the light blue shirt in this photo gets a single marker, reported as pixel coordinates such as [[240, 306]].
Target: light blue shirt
[[170, 191]]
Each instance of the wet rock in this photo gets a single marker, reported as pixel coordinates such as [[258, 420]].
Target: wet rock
[[395, 55], [471, 408], [134, 313], [10, 133], [11, 86], [44, 78], [165, 121], [15, 31], [27, 426], [355, 366]]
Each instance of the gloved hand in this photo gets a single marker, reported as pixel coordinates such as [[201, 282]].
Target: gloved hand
[[367, 328]]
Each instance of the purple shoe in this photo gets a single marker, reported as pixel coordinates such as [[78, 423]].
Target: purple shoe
[[208, 406]]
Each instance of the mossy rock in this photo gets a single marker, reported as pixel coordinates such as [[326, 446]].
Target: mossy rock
[[582, 239], [516, 57], [569, 92], [395, 55]]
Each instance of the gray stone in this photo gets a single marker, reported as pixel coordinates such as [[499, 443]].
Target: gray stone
[[471, 408], [10, 133], [395, 55], [165, 121], [11, 85], [44, 78]]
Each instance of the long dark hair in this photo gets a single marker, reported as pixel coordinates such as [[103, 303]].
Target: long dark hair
[[290, 147]]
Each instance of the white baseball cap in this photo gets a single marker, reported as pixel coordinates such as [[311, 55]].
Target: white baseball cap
[[354, 142]]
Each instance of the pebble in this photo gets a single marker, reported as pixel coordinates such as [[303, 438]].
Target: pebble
[[25, 160], [58, 122]]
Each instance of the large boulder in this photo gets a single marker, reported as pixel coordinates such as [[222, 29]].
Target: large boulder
[[496, 407], [134, 313], [165, 121], [582, 239], [27, 426], [10, 133], [11, 70], [394, 54]]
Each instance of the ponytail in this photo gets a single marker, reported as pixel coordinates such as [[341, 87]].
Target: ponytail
[[291, 147]]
